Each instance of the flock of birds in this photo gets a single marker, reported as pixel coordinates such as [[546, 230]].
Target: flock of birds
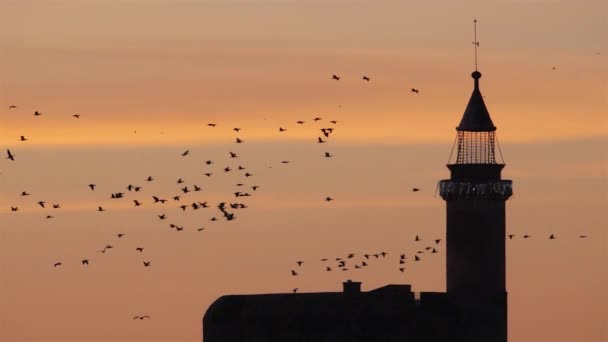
[[227, 210]]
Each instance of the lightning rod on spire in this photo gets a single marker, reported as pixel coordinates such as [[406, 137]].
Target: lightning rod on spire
[[475, 42]]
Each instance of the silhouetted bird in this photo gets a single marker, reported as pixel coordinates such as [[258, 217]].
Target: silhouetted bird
[[211, 124], [139, 249], [417, 238], [149, 179], [24, 193], [37, 113], [281, 129], [141, 317], [582, 236], [300, 263], [511, 236], [85, 262], [100, 209], [328, 155], [437, 241], [77, 116], [300, 122], [415, 190], [552, 237], [147, 263], [41, 203], [295, 290], [120, 235], [56, 264], [335, 77], [10, 155], [294, 273], [317, 119], [320, 141], [413, 90], [236, 129], [56, 206], [12, 107], [92, 186], [14, 208], [328, 199], [255, 187], [365, 78], [239, 141], [334, 121], [23, 138], [137, 203], [526, 236], [416, 258], [233, 155]]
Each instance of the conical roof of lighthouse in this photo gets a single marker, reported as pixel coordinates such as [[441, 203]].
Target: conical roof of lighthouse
[[476, 117]]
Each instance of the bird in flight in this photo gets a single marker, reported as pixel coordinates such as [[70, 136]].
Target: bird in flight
[[320, 141], [317, 119], [37, 113], [414, 90], [335, 77], [366, 78], [236, 129], [239, 141], [328, 199], [511, 236], [582, 236], [41, 203], [23, 138], [10, 155], [185, 153], [294, 273], [141, 317], [85, 261], [24, 193], [551, 237], [12, 107], [99, 208], [56, 264], [281, 129], [233, 155], [139, 249], [415, 189], [77, 116], [146, 263], [92, 186], [211, 124], [300, 122]]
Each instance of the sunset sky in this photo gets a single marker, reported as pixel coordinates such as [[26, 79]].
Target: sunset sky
[[146, 76]]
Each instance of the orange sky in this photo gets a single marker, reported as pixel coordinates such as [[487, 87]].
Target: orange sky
[[164, 69]]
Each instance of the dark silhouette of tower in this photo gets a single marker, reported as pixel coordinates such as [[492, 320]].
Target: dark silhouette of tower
[[475, 198]]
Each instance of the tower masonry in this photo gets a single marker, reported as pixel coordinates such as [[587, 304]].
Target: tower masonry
[[475, 198]]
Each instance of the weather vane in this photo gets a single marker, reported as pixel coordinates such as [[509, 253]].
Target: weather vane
[[475, 42]]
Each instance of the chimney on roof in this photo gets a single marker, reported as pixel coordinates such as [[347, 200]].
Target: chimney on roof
[[351, 287]]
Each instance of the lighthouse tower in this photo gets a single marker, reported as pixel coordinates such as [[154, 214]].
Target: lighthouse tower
[[475, 198]]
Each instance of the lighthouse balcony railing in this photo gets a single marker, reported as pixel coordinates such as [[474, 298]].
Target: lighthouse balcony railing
[[450, 189]]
